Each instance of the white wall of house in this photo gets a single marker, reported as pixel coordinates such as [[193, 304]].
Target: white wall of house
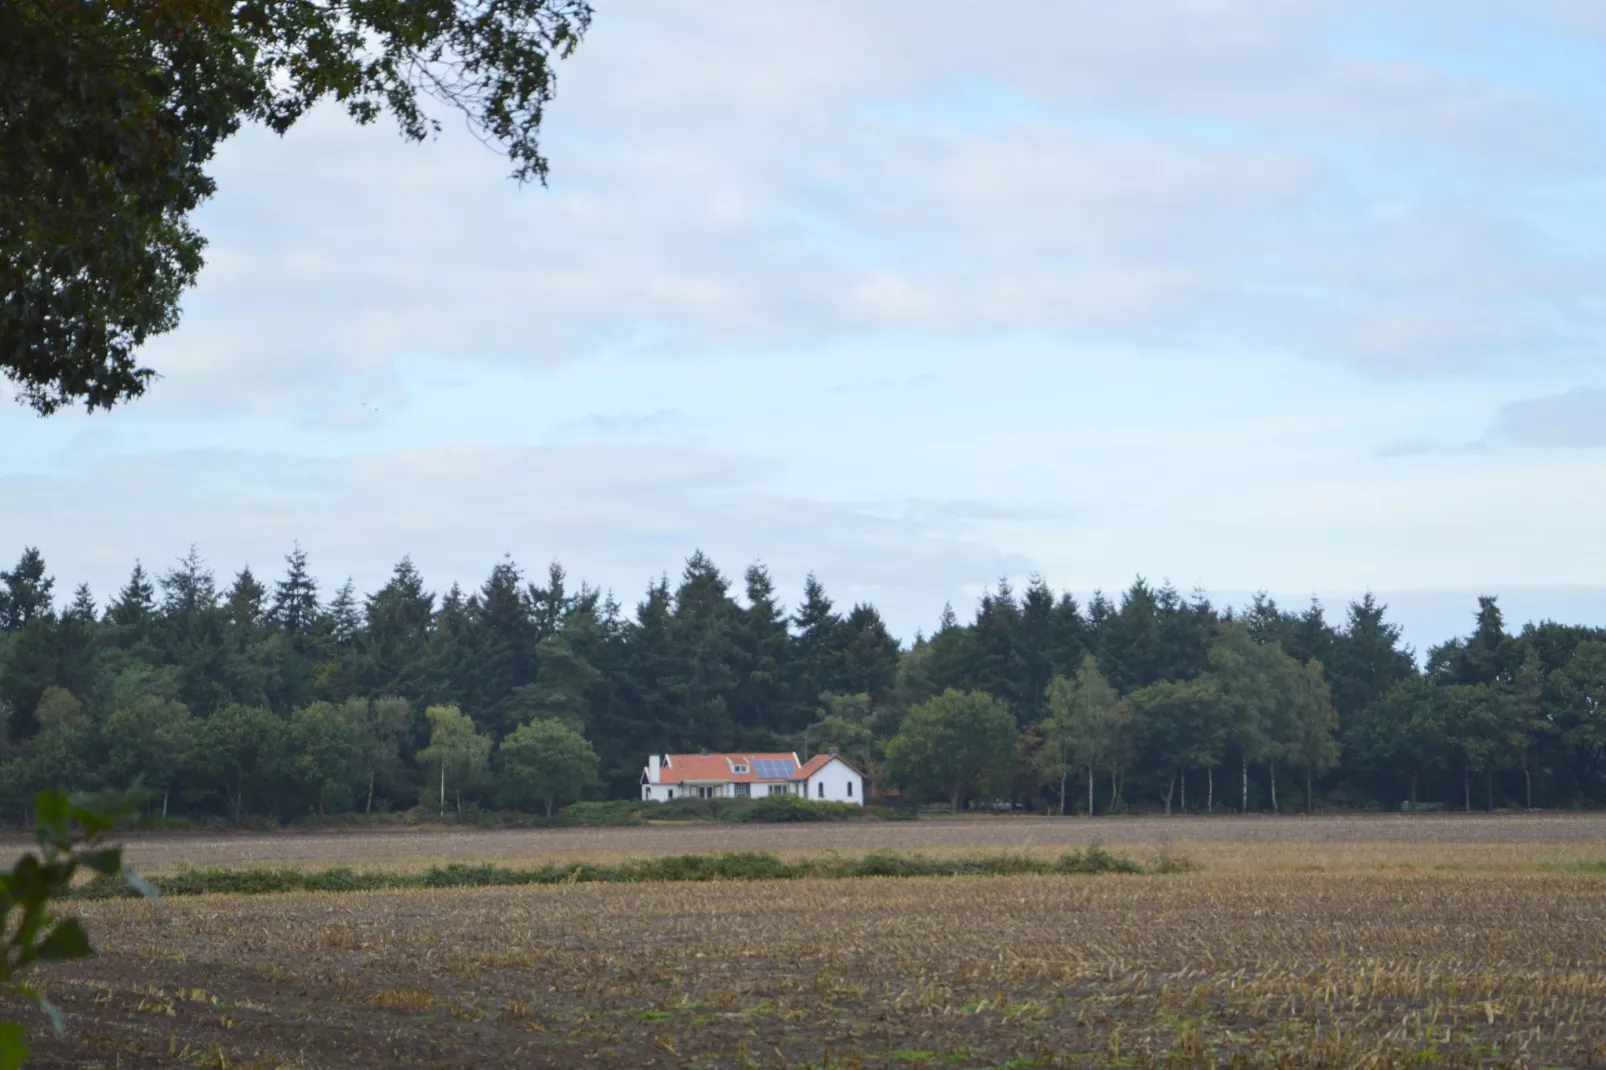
[[835, 782], [660, 792]]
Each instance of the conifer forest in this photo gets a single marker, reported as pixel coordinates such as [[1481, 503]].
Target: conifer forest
[[267, 698]]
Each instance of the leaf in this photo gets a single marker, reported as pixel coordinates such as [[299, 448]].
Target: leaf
[[140, 884], [51, 824], [108, 861], [66, 941], [52, 1012], [13, 1052]]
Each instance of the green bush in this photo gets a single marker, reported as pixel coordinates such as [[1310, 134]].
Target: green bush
[[612, 812]]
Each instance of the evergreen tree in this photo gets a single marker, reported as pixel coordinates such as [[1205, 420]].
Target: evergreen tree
[[295, 597], [764, 658], [1034, 640], [24, 591], [705, 653], [503, 638], [817, 649], [1129, 650], [132, 613], [396, 635], [344, 617], [549, 605], [245, 605], [1070, 637], [993, 662], [192, 637], [1367, 658], [869, 655]]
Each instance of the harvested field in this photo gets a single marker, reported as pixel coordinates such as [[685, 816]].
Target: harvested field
[[1262, 844], [1336, 964]]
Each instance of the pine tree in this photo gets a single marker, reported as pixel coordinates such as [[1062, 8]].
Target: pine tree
[[705, 653], [869, 656], [817, 650], [192, 634], [1367, 658], [396, 637], [344, 618], [244, 604], [502, 651], [764, 649], [134, 608], [24, 591], [295, 598], [1036, 641]]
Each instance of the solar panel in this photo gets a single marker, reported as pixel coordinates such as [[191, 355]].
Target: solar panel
[[773, 768]]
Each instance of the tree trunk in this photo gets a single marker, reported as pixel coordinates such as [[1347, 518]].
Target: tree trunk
[[1170, 789], [1310, 807], [1488, 790], [1413, 791], [1113, 792], [549, 807], [1065, 771], [443, 787], [1182, 774], [1210, 791], [953, 803], [1466, 789], [1092, 781], [1271, 767], [165, 790], [370, 807], [1244, 809], [1528, 783]]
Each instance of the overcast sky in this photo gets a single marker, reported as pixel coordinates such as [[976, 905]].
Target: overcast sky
[[1303, 295]]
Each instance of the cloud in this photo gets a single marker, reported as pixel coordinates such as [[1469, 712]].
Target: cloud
[[765, 176], [1574, 419], [615, 515]]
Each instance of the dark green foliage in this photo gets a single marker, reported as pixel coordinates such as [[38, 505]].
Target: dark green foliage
[[110, 112], [71, 833], [731, 866], [265, 702]]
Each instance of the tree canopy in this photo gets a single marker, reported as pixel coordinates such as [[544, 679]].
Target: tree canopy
[[275, 695], [111, 111]]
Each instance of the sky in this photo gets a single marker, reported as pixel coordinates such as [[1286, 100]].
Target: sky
[[1302, 296]]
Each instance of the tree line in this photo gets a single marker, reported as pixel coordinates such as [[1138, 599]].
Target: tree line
[[279, 699]]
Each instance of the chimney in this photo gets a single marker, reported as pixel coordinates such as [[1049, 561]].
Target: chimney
[[705, 752], [834, 753]]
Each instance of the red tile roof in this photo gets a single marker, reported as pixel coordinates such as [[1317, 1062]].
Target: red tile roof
[[818, 762], [812, 766], [679, 768]]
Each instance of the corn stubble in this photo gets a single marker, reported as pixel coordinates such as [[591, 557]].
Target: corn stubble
[[1202, 969]]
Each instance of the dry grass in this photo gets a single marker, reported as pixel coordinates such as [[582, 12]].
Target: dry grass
[[1252, 844], [1328, 943], [1208, 969]]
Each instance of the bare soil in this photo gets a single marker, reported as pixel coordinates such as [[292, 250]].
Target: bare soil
[[1401, 942]]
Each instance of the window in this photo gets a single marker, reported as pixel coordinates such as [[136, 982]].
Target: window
[[850, 789], [738, 768], [743, 790], [822, 789], [671, 794]]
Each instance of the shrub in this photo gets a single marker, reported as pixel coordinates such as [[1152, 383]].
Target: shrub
[[612, 812]]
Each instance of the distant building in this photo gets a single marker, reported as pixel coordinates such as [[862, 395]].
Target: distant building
[[823, 778]]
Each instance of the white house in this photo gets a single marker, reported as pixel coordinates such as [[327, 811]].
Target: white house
[[823, 778]]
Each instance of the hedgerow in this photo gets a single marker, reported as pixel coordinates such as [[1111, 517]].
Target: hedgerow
[[742, 865]]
